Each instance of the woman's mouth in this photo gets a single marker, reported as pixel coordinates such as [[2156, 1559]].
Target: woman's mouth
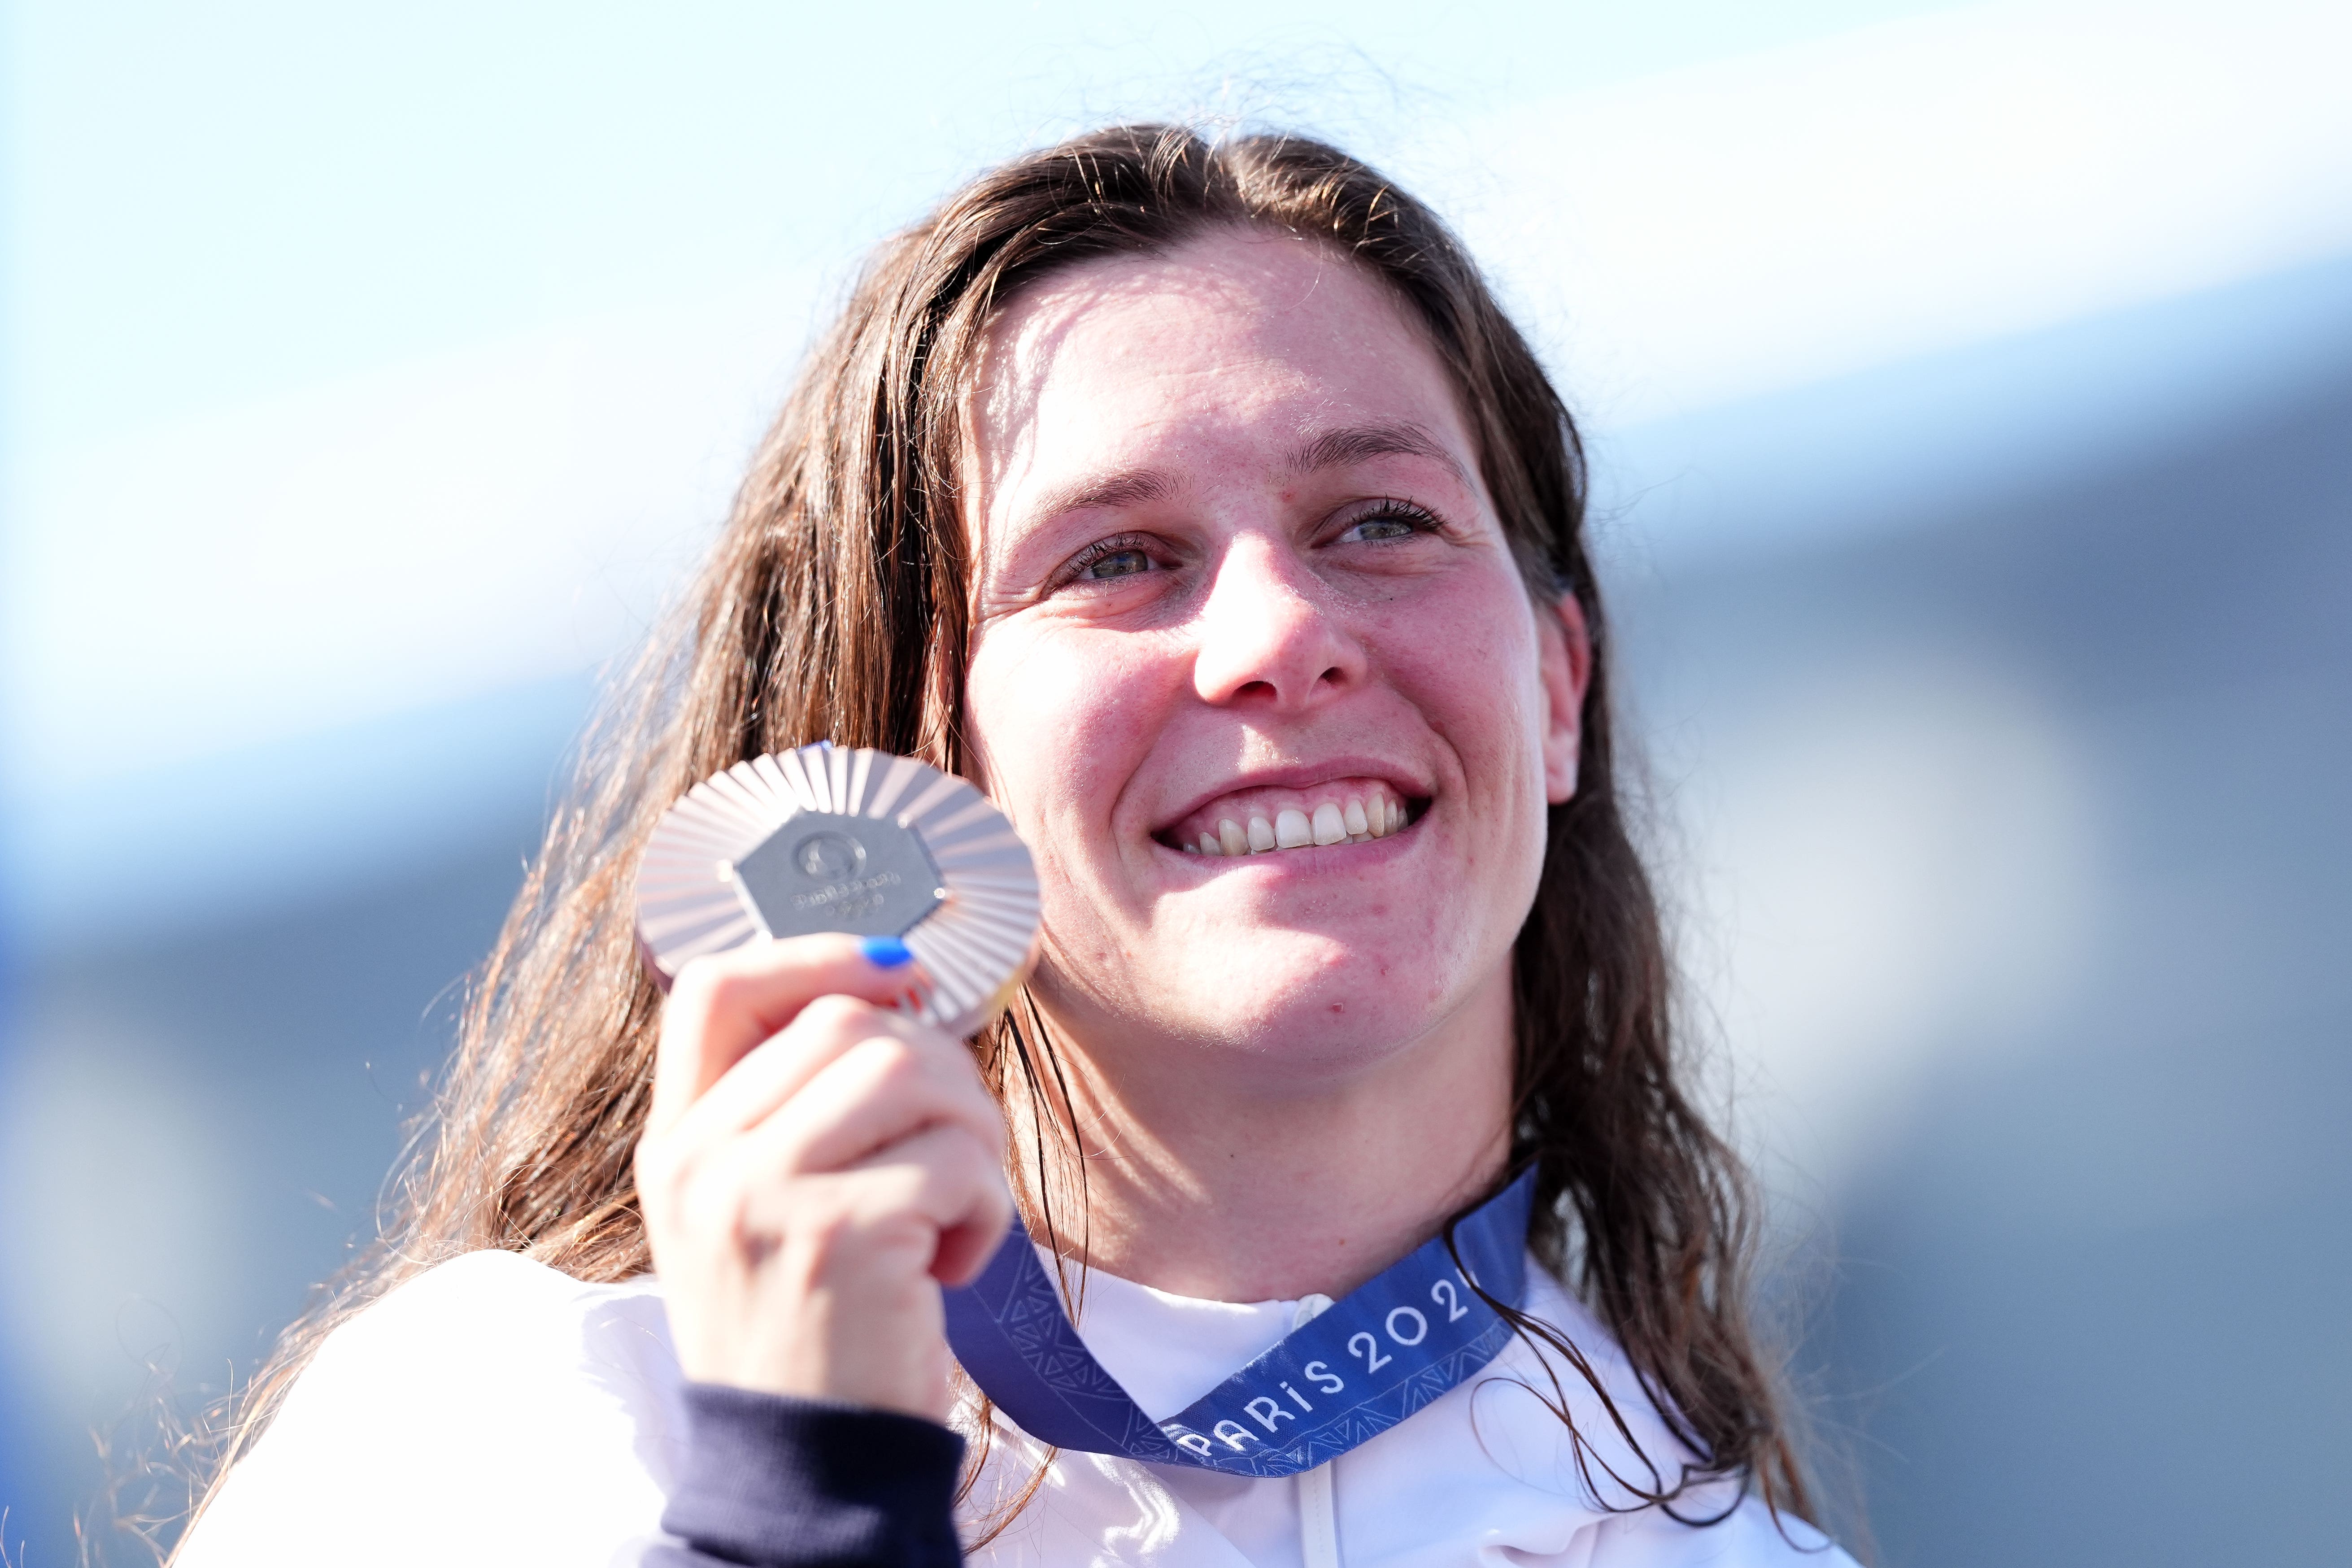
[[1269, 821]]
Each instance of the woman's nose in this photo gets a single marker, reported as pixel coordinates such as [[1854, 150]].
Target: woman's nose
[[1267, 636]]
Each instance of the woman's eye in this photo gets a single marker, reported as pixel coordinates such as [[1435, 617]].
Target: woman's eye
[[1382, 526], [1115, 564]]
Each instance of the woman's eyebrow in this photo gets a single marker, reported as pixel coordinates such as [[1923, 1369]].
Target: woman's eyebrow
[[1356, 443], [1330, 449], [1136, 487]]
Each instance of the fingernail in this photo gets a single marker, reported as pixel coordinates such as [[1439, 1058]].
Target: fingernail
[[884, 952]]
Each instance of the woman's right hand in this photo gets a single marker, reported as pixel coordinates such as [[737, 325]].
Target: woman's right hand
[[814, 1168]]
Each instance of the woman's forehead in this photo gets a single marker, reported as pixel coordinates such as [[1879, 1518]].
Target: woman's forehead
[[1237, 346]]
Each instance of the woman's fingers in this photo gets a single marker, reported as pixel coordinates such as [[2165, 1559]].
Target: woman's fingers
[[946, 1177], [956, 1181], [723, 1005], [867, 1099], [784, 1064], [887, 1084]]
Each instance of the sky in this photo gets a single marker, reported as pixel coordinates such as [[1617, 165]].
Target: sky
[[388, 369], [216, 205]]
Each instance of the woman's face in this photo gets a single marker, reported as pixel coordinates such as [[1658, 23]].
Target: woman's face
[[1238, 583]]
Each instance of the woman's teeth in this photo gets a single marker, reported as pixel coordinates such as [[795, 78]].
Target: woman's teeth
[[1355, 818]]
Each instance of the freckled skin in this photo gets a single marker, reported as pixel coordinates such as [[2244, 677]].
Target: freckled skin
[[1141, 648]]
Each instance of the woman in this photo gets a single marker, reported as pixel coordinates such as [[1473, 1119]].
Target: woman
[[1201, 504]]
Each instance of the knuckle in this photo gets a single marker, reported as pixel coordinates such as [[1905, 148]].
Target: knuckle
[[974, 1159], [896, 1064], [972, 1096], [728, 1194], [835, 1014], [728, 991], [689, 991], [821, 1223], [977, 1115], [828, 1226], [691, 977]]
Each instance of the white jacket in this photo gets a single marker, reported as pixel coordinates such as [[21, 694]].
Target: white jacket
[[495, 1412]]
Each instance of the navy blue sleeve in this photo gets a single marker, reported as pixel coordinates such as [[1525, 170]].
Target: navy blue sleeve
[[775, 1482]]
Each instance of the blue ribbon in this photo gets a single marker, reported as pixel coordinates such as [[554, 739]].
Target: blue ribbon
[[1395, 1343]]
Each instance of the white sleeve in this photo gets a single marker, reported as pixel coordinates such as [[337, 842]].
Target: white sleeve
[[491, 1411]]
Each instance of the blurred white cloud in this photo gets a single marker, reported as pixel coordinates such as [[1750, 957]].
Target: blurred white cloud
[[1747, 226], [386, 542]]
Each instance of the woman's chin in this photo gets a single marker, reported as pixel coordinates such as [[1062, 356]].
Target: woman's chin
[[1297, 997]]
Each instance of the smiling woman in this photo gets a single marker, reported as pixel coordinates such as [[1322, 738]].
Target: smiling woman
[[1198, 504], [1235, 578]]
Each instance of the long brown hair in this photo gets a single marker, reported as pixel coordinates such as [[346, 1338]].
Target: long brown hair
[[835, 606]]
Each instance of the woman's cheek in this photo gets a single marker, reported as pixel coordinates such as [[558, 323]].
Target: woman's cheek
[[1055, 714], [1496, 728]]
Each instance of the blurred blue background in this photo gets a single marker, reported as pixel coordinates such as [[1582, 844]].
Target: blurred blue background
[[1970, 394]]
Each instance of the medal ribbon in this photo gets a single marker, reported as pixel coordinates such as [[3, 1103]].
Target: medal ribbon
[[1395, 1343]]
